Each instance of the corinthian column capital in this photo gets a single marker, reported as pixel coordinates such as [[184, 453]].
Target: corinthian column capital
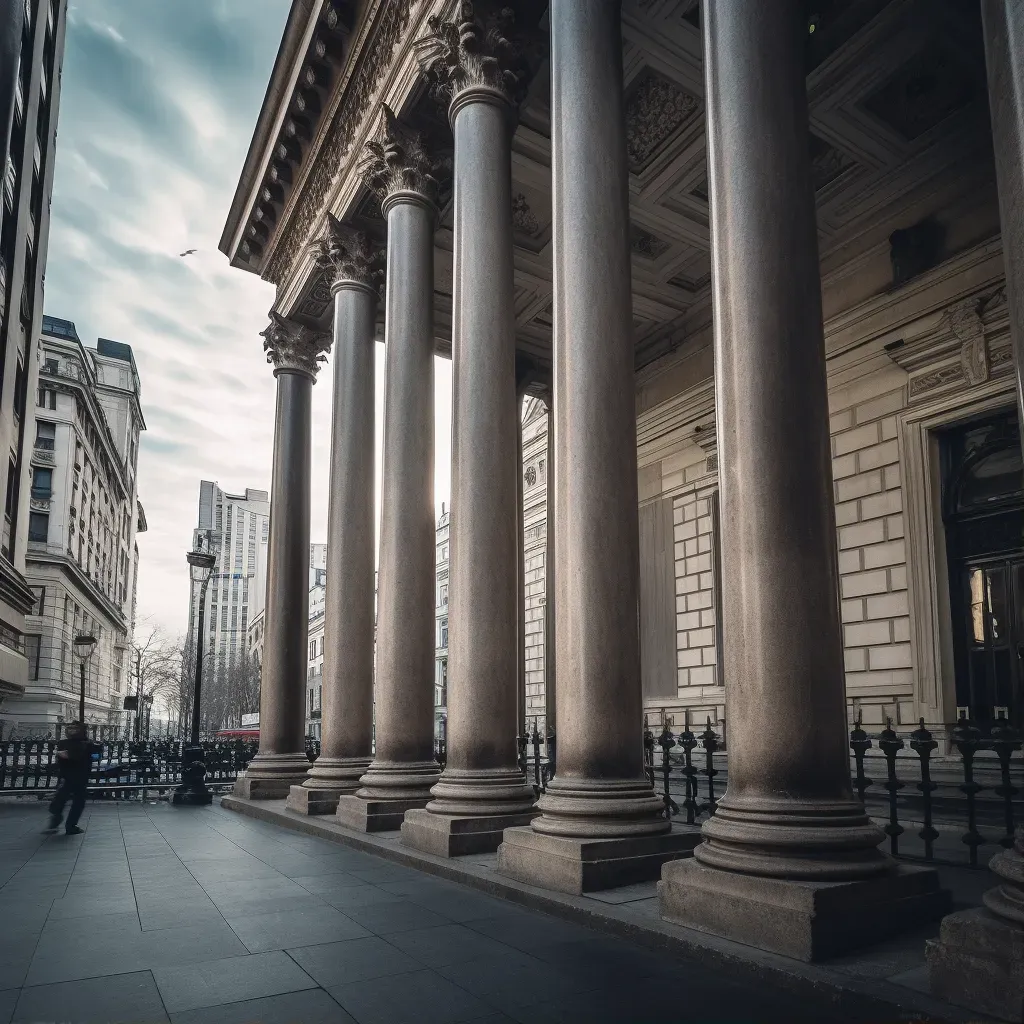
[[471, 53], [398, 161], [294, 348], [348, 254]]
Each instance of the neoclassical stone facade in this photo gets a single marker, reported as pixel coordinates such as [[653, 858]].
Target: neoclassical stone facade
[[754, 262]]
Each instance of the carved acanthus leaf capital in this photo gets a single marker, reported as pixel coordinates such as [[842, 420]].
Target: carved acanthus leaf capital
[[965, 322], [348, 254], [398, 161], [467, 52], [294, 347]]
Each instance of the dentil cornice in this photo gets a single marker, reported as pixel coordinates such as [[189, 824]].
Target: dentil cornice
[[294, 348], [398, 161], [466, 53], [348, 254]]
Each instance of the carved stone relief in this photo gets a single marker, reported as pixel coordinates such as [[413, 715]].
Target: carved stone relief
[[656, 108]]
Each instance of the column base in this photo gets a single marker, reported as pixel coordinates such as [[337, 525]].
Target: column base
[[265, 789], [978, 962], [375, 815], [450, 835], [572, 865], [312, 801], [806, 920]]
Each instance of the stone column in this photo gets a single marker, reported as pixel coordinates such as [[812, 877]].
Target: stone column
[[601, 823], [482, 790], [789, 862], [403, 770], [346, 742], [281, 761], [550, 678], [978, 959]]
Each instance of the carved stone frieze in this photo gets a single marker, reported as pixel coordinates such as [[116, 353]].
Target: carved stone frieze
[[467, 52], [398, 161], [348, 254], [656, 108], [965, 322], [392, 21], [291, 347]]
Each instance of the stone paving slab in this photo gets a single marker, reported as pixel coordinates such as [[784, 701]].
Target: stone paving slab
[[201, 916], [884, 980]]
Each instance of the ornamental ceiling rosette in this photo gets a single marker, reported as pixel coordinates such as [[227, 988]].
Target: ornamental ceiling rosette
[[469, 52], [348, 254], [398, 161], [293, 347]]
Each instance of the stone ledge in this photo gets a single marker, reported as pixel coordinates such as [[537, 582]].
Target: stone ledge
[[866, 996], [447, 835]]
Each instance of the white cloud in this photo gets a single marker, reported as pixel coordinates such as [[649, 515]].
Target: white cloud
[[158, 105]]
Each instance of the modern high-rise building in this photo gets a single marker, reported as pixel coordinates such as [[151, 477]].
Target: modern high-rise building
[[235, 527], [31, 51], [84, 514]]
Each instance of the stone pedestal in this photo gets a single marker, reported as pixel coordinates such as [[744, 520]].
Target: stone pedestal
[[978, 961], [802, 919], [304, 800], [456, 835], [259, 788], [586, 865], [370, 815]]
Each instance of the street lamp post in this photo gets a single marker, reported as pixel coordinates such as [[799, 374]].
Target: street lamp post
[[193, 789], [85, 644]]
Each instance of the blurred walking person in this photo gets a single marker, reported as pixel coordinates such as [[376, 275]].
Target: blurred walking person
[[74, 762]]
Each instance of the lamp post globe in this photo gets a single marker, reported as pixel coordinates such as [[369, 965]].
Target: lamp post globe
[[85, 644], [192, 790]]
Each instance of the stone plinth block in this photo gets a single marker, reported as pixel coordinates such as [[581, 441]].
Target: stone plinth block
[[266, 789], [305, 800], [375, 815], [978, 962], [449, 835], [805, 920], [586, 865]]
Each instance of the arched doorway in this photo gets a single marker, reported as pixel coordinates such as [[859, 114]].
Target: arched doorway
[[983, 511]]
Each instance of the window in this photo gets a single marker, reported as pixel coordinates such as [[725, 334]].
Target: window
[[46, 399], [39, 527], [443, 638], [46, 433], [442, 600], [42, 482], [32, 653], [12, 480], [50, 366]]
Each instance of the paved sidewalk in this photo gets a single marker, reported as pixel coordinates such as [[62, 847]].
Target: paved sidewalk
[[200, 915]]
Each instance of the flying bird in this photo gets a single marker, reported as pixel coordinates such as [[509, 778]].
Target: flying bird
[[187, 252]]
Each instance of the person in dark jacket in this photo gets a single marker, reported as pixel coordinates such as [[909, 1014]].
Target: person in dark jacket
[[74, 762]]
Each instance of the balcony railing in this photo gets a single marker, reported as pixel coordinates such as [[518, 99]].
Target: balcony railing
[[44, 444]]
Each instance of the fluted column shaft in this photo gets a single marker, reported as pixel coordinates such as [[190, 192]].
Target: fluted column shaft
[[789, 810], [482, 776], [599, 788], [347, 709], [282, 750], [404, 767]]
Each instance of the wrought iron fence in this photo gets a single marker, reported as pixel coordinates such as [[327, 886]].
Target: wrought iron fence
[[930, 808], [27, 766]]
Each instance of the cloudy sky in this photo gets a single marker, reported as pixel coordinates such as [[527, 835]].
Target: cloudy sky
[[158, 105]]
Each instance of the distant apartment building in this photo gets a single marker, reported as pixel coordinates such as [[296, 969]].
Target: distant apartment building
[[235, 527], [315, 671], [84, 515], [441, 555], [535, 532], [31, 52]]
